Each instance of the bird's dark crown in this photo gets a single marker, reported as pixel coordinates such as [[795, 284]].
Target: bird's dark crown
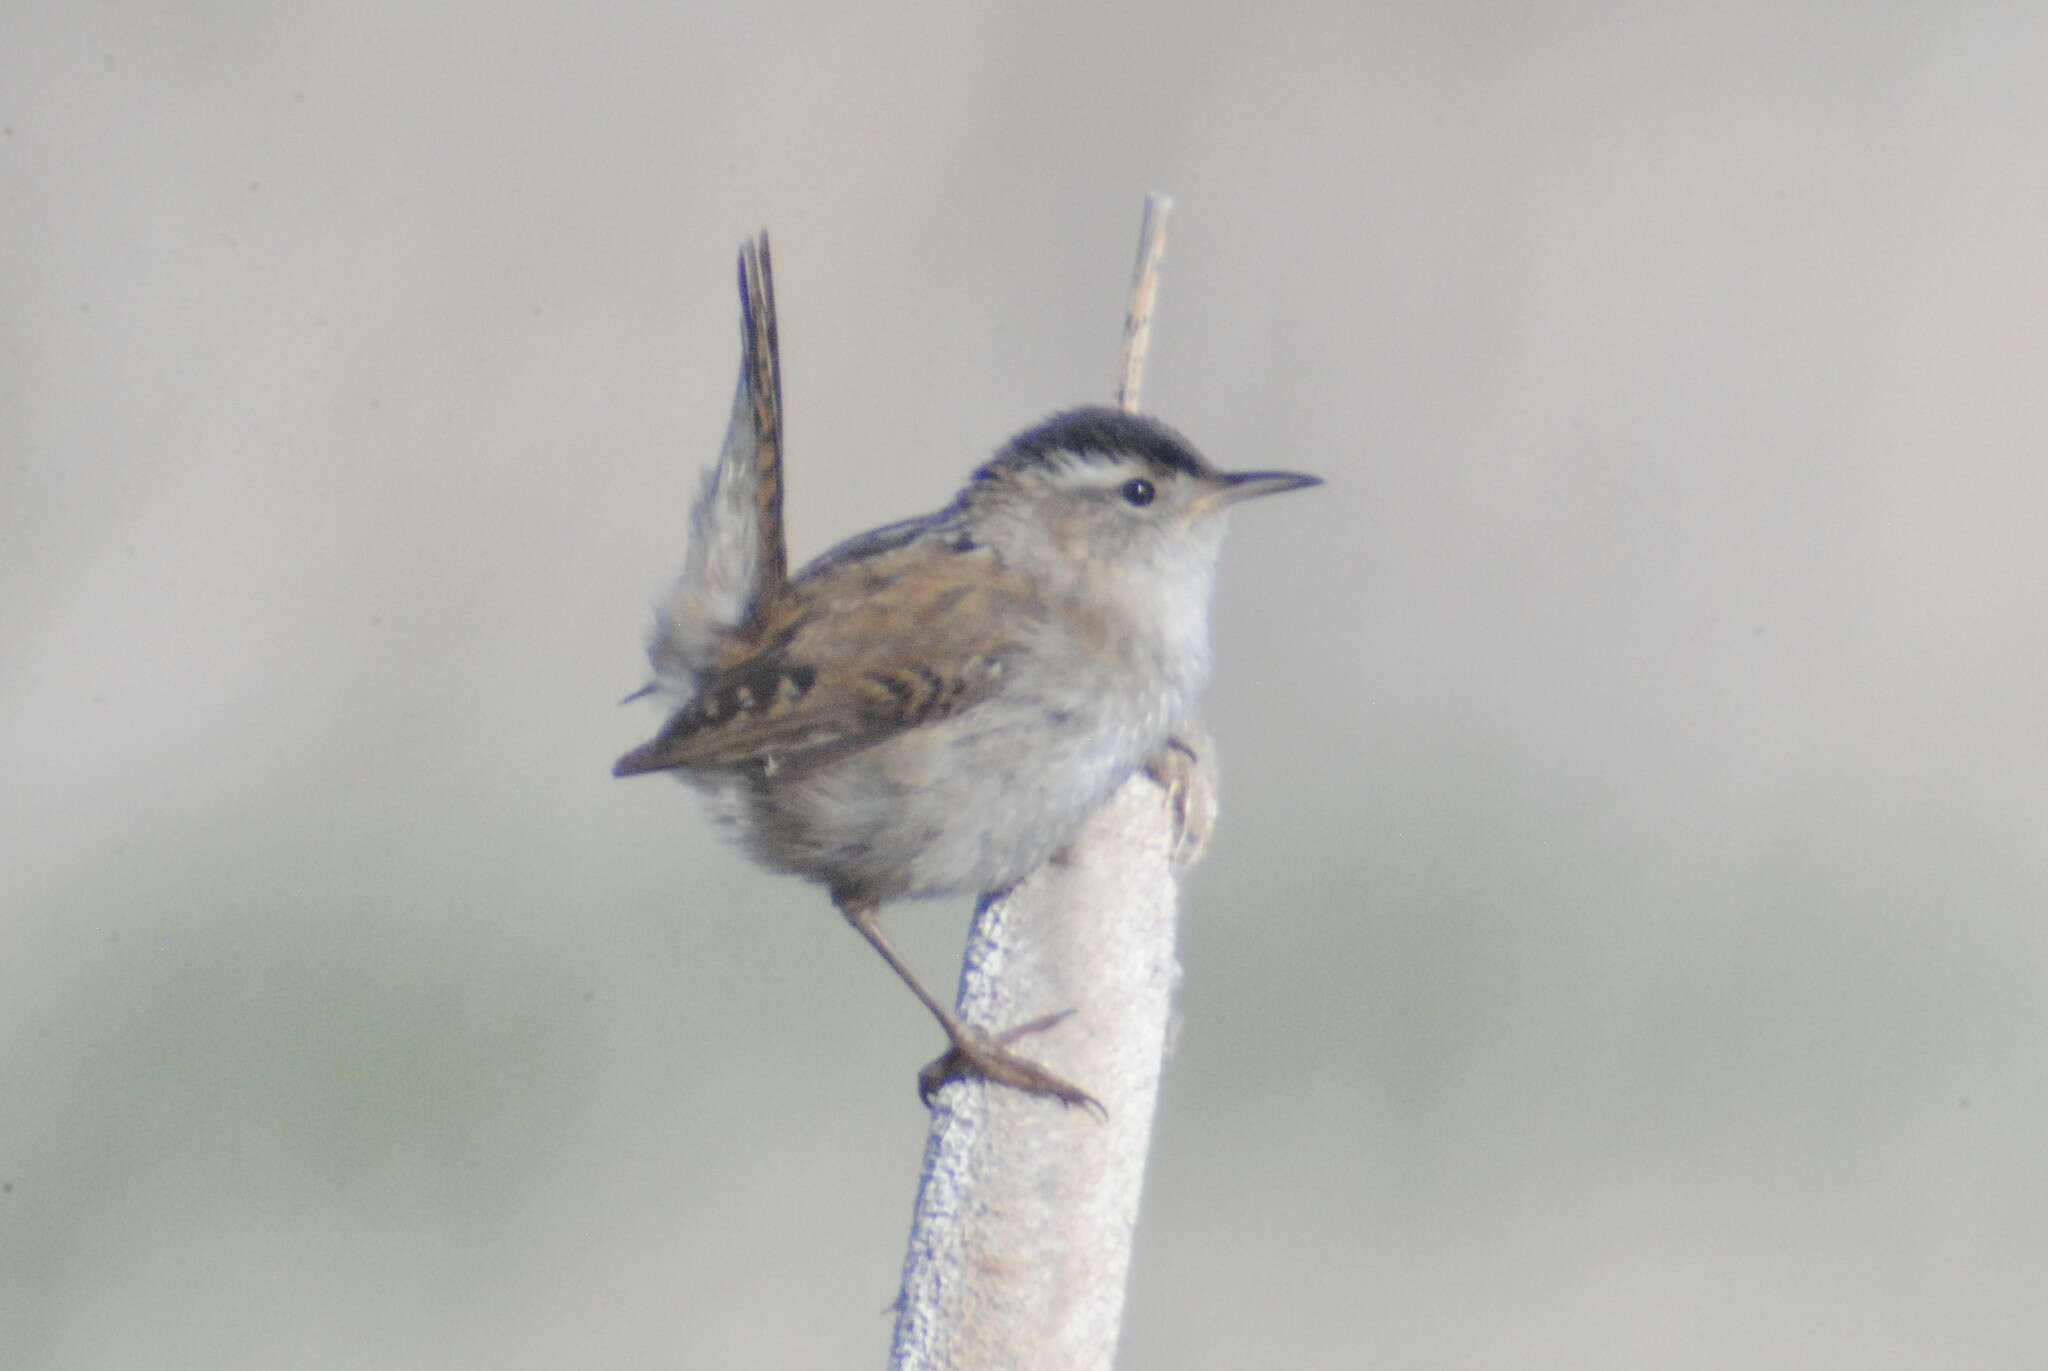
[[1096, 433]]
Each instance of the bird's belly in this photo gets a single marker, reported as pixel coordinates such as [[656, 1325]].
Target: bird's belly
[[972, 804]]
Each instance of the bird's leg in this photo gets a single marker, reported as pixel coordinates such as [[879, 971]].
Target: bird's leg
[[972, 1053]]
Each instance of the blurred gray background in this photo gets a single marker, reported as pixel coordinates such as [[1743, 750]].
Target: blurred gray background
[[1624, 942]]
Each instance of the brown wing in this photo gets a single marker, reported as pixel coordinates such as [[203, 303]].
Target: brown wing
[[865, 651]]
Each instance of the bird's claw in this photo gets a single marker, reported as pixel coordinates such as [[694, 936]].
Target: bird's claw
[[973, 1056]]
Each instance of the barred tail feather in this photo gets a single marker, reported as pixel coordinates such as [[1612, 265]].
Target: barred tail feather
[[737, 560]]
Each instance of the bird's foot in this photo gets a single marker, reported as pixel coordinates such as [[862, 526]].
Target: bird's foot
[[1185, 769], [974, 1056]]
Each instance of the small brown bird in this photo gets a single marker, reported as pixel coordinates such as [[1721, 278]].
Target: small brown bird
[[938, 705]]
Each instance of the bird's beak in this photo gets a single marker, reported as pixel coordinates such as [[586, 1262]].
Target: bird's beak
[[1234, 487]]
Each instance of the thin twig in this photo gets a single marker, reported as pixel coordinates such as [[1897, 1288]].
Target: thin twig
[[1144, 290]]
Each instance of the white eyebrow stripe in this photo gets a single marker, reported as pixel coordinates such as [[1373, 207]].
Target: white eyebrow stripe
[[1097, 470]]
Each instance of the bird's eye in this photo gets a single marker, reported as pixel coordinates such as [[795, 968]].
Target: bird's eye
[[1139, 492]]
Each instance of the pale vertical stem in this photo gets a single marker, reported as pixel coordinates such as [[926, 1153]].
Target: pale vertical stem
[[1144, 290], [1021, 1245]]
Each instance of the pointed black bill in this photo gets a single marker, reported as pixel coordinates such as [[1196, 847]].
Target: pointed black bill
[[1235, 486]]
